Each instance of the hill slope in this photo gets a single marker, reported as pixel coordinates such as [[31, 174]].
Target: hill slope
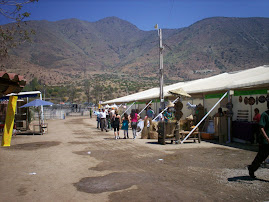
[[73, 50]]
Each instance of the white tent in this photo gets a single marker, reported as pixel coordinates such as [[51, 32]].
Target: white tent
[[251, 78]]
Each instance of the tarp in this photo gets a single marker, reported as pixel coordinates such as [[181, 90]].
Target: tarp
[[244, 79]]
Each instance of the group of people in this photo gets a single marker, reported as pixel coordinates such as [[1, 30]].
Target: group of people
[[110, 119]]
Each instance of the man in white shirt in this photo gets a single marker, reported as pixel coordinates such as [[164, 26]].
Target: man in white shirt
[[103, 120]]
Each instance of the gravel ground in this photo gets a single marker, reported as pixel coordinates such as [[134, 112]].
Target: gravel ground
[[77, 162]]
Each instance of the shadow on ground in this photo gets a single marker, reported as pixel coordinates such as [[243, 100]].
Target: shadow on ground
[[245, 178]]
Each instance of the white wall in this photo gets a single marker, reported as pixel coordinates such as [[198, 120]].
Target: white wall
[[241, 106]]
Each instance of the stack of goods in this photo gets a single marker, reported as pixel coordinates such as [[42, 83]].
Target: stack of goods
[[150, 129], [178, 107]]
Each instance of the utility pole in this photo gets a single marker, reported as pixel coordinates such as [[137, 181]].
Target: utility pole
[[161, 66], [44, 92]]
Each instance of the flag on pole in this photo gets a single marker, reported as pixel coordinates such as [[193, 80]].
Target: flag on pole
[[156, 26]]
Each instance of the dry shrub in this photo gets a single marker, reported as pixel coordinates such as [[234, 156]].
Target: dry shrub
[[153, 135]]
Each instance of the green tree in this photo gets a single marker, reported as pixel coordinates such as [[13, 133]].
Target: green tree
[[72, 93], [98, 92], [13, 34], [35, 84], [87, 90]]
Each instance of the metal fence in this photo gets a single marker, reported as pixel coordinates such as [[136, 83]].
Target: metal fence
[[61, 112]]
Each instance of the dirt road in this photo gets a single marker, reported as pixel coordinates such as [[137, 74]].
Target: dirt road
[[77, 162]]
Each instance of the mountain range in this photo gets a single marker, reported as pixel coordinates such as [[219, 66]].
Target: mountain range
[[72, 50]]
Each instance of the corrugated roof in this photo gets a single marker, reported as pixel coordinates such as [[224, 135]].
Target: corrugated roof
[[11, 83]]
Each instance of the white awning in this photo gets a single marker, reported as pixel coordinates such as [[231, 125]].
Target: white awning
[[250, 78]]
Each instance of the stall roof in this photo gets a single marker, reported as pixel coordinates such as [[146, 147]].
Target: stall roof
[[250, 78], [11, 83], [22, 95]]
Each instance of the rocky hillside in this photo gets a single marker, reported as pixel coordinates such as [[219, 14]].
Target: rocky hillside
[[73, 50]]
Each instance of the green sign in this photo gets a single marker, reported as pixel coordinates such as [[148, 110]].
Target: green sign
[[217, 95], [249, 92]]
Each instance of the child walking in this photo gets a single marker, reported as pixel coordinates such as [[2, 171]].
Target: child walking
[[125, 125]]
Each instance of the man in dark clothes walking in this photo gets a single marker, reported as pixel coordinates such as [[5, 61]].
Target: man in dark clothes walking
[[263, 143]]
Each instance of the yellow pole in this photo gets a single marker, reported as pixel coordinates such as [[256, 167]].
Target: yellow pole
[[9, 123]]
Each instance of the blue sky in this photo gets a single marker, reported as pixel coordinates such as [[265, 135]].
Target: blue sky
[[146, 13]]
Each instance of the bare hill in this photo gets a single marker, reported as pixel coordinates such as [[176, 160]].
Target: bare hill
[[72, 50]]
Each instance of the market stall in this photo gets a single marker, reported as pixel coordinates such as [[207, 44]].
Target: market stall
[[209, 90]]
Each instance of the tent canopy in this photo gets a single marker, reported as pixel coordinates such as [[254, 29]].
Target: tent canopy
[[250, 78], [37, 103], [22, 95]]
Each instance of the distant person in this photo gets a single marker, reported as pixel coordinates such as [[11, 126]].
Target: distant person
[[133, 118], [168, 115], [110, 115], [116, 124], [150, 113], [257, 115], [98, 119], [125, 125], [263, 143], [256, 127], [108, 119], [90, 112], [219, 113], [103, 120]]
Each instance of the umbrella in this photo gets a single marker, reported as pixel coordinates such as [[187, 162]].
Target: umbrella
[[37, 103]]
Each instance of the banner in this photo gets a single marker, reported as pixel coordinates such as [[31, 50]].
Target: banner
[[250, 92], [9, 123]]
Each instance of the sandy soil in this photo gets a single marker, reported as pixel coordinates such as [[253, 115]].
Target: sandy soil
[[76, 162]]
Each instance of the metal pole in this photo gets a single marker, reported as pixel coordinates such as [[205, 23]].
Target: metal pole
[[229, 119], [161, 69], [128, 108], [42, 111], [44, 92], [165, 109], [159, 114], [144, 107], [204, 117]]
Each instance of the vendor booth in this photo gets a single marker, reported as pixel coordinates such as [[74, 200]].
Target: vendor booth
[[223, 90], [9, 83]]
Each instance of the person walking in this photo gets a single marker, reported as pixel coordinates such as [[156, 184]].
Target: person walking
[[263, 143], [116, 124], [103, 120], [90, 112], [125, 125], [150, 113], [133, 118], [98, 119]]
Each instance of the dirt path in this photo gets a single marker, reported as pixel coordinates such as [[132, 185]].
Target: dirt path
[[77, 162]]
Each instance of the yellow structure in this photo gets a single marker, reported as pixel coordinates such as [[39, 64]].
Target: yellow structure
[[9, 123]]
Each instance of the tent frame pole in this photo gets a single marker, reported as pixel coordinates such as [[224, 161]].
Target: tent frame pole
[[159, 114], [128, 108], [204, 117], [165, 109], [229, 119], [145, 107], [42, 111]]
